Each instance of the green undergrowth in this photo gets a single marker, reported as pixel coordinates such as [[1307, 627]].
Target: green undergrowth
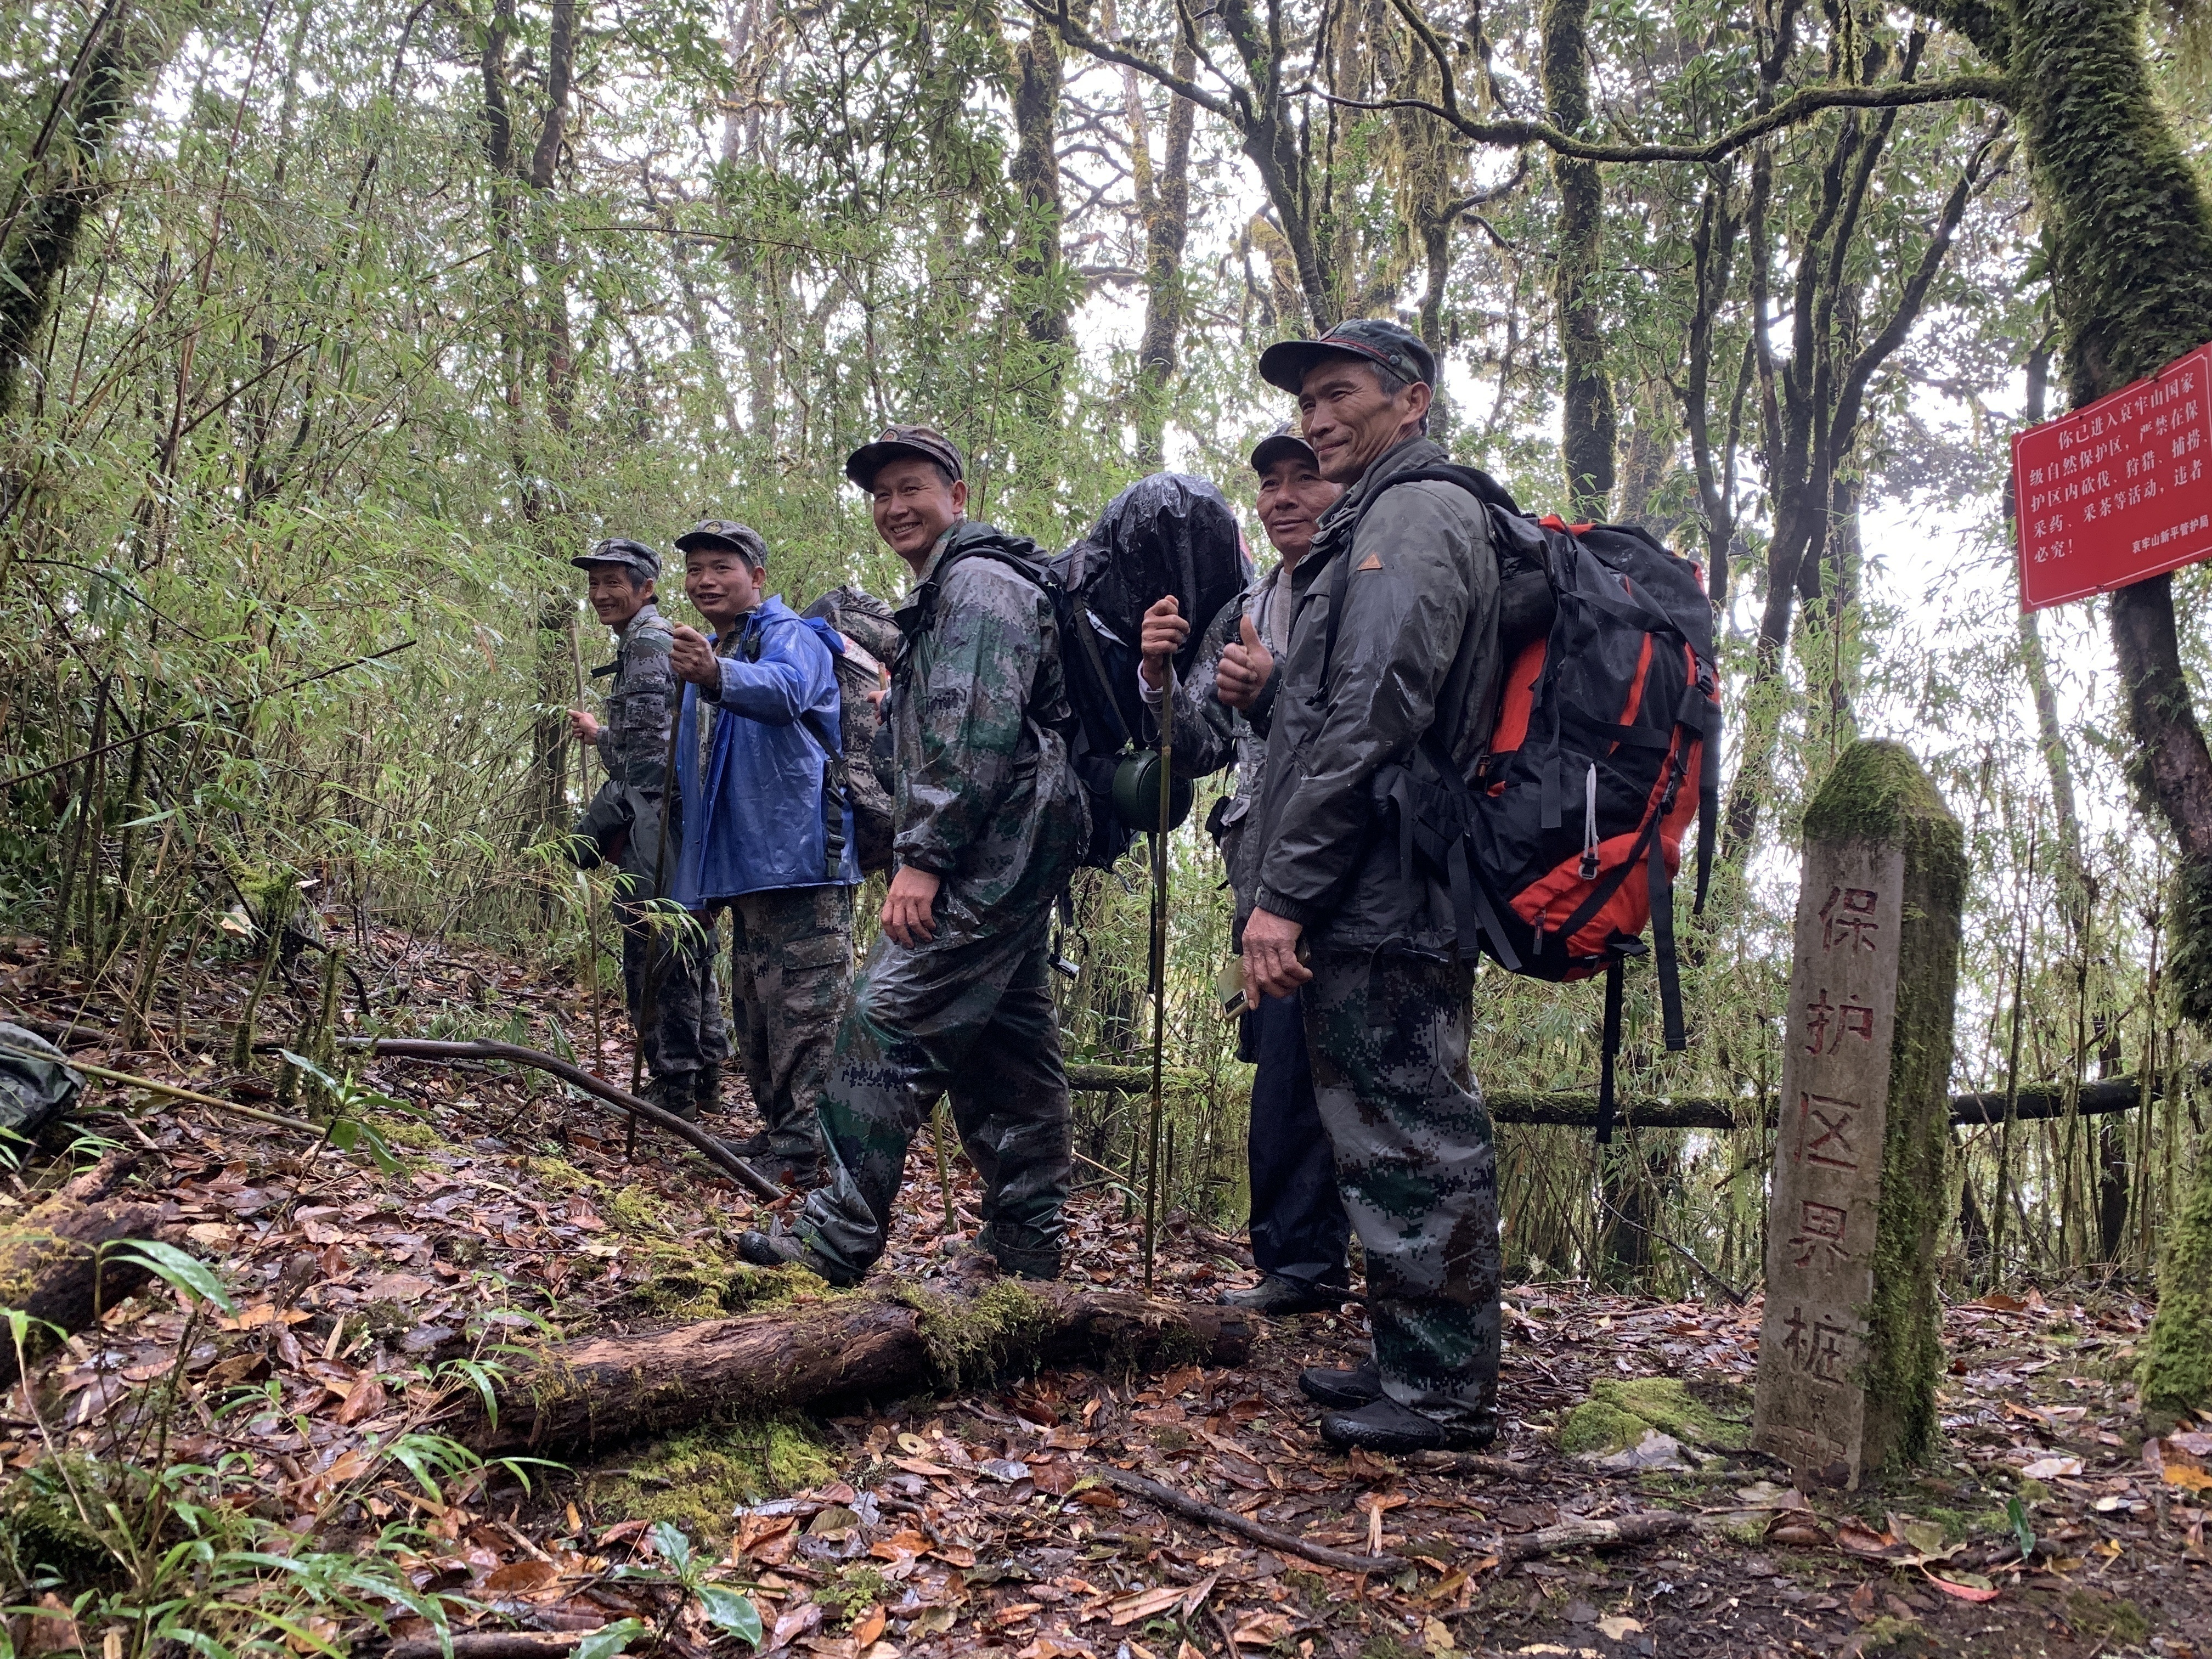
[[1619, 1412], [2176, 1373], [700, 1479]]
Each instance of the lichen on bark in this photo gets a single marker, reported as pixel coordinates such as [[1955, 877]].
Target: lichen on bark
[[2176, 1373]]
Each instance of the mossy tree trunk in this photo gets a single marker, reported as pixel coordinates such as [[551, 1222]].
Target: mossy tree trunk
[[60, 178], [1587, 414], [1165, 200], [2128, 232], [1040, 272]]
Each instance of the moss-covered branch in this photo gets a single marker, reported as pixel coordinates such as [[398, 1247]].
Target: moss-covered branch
[[1797, 107]]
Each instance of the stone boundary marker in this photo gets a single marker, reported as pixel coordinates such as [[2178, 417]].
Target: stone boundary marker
[[1850, 1349]]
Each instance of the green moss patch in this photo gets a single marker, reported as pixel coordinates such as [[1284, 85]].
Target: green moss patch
[[854, 1587], [2176, 1373], [1619, 1412], [700, 1480], [972, 1340], [2101, 1621]]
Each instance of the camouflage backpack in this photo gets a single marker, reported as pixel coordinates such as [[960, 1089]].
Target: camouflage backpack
[[872, 641]]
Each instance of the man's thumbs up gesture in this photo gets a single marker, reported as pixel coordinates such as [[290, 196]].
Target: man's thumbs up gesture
[[1244, 669]]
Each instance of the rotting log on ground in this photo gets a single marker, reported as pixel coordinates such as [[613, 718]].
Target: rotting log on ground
[[53, 1263], [576, 1396]]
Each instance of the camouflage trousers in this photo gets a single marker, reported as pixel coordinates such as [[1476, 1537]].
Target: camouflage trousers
[[791, 963], [1417, 1168], [974, 1020], [671, 960]]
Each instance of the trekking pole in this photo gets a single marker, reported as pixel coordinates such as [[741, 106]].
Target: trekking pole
[[656, 961], [591, 917], [1166, 775]]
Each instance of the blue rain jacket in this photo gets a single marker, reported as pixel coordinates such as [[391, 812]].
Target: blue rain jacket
[[761, 820]]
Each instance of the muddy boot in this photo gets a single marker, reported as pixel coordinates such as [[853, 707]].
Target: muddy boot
[[675, 1093], [707, 1087]]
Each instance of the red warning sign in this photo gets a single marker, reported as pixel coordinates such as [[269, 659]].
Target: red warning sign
[[2119, 490]]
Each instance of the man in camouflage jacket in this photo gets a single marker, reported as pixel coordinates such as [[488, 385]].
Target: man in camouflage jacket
[[955, 997], [1388, 1001], [668, 960]]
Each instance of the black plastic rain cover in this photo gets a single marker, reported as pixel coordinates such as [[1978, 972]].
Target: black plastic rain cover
[[1168, 533]]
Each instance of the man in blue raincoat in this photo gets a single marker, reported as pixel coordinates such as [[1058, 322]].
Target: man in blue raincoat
[[767, 836]]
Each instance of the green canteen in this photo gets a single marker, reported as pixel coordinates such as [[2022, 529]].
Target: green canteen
[[1137, 792]]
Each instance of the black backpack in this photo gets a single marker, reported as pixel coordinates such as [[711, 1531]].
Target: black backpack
[[1167, 533], [1609, 706]]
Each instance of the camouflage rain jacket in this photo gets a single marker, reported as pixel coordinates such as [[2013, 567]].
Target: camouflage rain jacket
[[623, 819], [985, 798]]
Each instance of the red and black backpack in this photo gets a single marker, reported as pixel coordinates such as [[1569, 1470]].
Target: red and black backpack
[[1564, 847]]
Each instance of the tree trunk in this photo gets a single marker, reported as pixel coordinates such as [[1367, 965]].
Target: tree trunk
[[60, 178], [2129, 238], [52, 1267], [1587, 417], [575, 1396], [1040, 274], [1167, 227]]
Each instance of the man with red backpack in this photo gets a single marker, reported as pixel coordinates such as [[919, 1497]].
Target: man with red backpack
[[1409, 662]]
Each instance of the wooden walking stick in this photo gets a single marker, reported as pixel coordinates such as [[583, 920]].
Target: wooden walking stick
[[590, 919], [1159, 966]]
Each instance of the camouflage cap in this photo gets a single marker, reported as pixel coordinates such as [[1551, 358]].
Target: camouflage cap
[[893, 443], [726, 533], [1287, 362], [1282, 444], [619, 551]]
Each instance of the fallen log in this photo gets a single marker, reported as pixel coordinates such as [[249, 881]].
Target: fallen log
[[55, 1265], [573, 1397], [485, 1048], [1574, 1110], [1502, 1468], [1089, 1077]]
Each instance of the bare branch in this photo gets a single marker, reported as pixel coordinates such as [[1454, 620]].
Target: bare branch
[[1076, 35], [1798, 106]]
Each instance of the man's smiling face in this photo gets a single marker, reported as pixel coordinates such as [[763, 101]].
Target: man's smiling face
[[913, 503], [1349, 420]]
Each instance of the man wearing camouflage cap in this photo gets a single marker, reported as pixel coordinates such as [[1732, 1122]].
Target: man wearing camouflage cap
[[768, 832], [956, 997], [668, 964], [1404, 676]]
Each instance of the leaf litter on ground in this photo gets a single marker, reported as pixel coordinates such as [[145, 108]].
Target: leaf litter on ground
[[974, 1524]]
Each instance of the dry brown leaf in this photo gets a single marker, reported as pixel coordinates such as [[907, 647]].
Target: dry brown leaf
[[365, 1399], [520, 1578]]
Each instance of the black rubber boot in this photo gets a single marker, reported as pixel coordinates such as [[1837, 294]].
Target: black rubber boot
[[1282, 1299], [778, 1248], [1346, 1391], [1384, 1425]]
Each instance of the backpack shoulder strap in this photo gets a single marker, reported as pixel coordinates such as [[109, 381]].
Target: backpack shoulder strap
[[1493, 495]]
